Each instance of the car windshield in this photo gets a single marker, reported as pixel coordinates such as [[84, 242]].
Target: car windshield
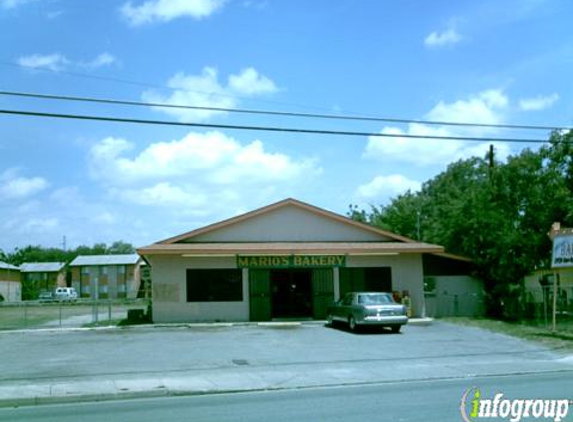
[[374, 299]]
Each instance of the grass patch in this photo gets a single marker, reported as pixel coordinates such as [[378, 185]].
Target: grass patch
[[37, 315], [528, 330], [30, 315]]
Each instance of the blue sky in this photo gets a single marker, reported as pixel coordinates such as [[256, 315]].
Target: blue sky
[[487, 62]]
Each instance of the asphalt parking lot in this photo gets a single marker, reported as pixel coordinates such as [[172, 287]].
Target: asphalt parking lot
[[149, 351]]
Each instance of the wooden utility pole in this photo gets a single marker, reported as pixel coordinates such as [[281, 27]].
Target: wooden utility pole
[[554, 323]]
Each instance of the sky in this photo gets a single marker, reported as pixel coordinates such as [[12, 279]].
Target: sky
[[492, 62]]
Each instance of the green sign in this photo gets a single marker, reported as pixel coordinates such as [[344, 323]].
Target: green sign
[[291, 261]]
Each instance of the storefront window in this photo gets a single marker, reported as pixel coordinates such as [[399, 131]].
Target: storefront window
[[220, 285]]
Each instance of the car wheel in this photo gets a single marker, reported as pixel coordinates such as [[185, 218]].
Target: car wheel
[[396, 328], [352, 323]]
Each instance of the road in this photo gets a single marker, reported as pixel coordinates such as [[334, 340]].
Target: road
[[405, 401]]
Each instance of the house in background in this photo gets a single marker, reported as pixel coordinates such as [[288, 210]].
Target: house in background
[[539, 284], [10, 285], [106, 276], [40, 277]]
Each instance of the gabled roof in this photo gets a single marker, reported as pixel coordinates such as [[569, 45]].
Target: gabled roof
[[6, 266], [281, 204], [86, 260], [42, 267]]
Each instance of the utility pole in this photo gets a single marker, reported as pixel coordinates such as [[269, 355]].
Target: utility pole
[[418, 224], [555, 292]]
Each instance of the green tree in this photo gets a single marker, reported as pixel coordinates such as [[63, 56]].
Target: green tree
[[121, 247], [36, 253], [497, 215]]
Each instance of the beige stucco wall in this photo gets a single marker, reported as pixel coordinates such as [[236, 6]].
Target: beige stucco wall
[[170, 296], [169, 275], [407, 274], [290, 224]]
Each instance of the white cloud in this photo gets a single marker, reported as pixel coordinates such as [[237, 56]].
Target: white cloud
[[53, 62], [441, 39], [12, 4], [249, 82], [193, 169], [387, 187], [39, 225], [487, 107], [14, 186], [106, 218], [538, 103], [164, 194], [59, 62], [166, 10], [205, 90], [104, 59]]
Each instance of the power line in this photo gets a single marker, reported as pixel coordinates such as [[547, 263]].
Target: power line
[[264, 128], [141, 84], [276, 113]]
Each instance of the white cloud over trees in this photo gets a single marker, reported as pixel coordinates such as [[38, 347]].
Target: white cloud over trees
[[167, 10], [486, 107]]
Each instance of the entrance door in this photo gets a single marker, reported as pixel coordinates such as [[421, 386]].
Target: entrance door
[[291, 293], [260, 295], [323, 291]]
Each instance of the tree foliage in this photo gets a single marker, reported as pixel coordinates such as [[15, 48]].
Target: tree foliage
[[36, 253], [496, 215]]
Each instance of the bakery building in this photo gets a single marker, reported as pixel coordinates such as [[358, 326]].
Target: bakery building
[[286, 260]]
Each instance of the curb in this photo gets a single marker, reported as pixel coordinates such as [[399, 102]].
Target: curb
[[87, 398], [418, 322]]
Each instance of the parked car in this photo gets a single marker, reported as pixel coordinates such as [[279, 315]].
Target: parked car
[[46, 297], [66, 294], [368, 308]]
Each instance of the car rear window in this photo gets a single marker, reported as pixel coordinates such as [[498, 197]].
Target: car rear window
[[374, 299]]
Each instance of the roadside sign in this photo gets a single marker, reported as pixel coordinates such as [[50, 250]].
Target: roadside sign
[[562, 251]]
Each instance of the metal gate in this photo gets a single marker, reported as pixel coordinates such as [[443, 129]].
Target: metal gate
[[322, 291], [260, 295]]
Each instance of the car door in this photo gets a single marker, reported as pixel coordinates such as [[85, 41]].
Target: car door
[[345, 307]]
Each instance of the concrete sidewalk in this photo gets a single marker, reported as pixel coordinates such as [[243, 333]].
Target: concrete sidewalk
[[247, 378], [267, 365]]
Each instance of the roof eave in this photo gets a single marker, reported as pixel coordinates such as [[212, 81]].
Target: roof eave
[[232, 251]]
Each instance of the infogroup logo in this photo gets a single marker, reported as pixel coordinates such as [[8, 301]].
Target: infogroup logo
[[474, 407]]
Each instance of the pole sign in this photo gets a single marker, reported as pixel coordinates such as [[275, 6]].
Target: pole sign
[[291, 261], [562, 251]]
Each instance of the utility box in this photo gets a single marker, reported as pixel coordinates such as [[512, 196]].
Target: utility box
[[136, 316]]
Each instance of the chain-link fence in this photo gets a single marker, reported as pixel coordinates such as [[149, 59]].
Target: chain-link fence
[[538, 303], [38, 315]]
